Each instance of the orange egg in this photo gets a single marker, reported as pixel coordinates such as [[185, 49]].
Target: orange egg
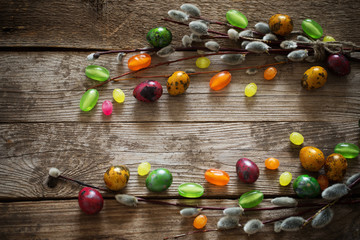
[[281, 24], [270, 73], [312, 158], [335, 167], [217, 177], [272, 163], [200, 221], [220, 80], [323, 182], [139, 61]]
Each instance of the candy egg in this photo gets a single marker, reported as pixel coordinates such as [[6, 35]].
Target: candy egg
[[217, 177], [251, 199], [144, 168], [312, 158], [312, 28], [338, 64], [159, 37], [159, 180], [200, 222], [220, 80], [191, 190], [323, 182], [270, 73], [202, 62], [116, 177], [314, 77], [90, 200], [348, 150], [177, 83], [281, 24], [328, 39], [236, 18], [306, 186], [296, 138], [107, 107], [97, 73], [148, 91], [247, 171], [139, 61], [118, 95], [335, 167], [272, 163], [285, 178], [89, 100], [250, 89]]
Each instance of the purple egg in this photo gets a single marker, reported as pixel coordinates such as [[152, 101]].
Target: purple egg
[[338, 64], [247, 170], [90, 200], [148, 91]]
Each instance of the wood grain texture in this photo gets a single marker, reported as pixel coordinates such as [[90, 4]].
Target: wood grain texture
[[108, 24], [85, 151], [64, 220], [47, 86]]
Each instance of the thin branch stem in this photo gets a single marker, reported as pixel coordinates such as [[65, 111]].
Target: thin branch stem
[[83, 184]]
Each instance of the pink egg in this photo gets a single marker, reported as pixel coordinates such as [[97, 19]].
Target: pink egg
[[107, 107]]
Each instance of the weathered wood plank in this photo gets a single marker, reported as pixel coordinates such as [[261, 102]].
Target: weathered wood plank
[[64, 220], [84, 152], [110, 24]]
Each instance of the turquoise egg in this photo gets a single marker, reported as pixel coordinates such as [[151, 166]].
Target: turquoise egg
[[251, 199], [236, 18], [89, 100], [159, 180], [348, 150], [97, 73], [306, 186], [191, 190], [159, 37], [312, 28]]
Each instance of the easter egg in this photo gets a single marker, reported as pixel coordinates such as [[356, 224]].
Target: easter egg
[[312, 28], [97, 73], [144, 168], [323, 182], [251, 199], [89, 100], [296, 138], [118, 95], [314, 77], [272, 163], [159, 180], [250, 89], [348, 150], [335, 167], [148, 91], [139, 61], [177, 83], [312, 158], [107, 107], [328, 39], [116, 177], [247, 171], [90, 200], [285, 178], [281, 24], [270, 73], [191, 190], [159, 37], [202, 62], [200, 222], [236, 18], [220, 80], [338, 64], [217, 177], [306, 186]]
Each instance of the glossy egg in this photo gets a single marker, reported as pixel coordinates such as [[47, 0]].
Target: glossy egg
[[177, 83], [116, 177], [90, 200], [217, 177], [200, 221], [191, 190], [247, 171], [159, 37], [97, 73], [89, 100], [348, 150], [338, 64], [118, 95], [312, 28], [159, 180], [314, 77], [312, 158], [306, 186], [220, 80], [139, 61], [236, 18], [203, 62], [107, 107], [281, 24], [323, 182], [272, 163], [148, 91], [285, 178], [270, 73], [251, 199], [335, 167]]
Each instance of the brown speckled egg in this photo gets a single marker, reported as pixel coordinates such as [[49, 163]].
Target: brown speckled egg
[[177, 83], [312, 158], [314, 77], [281, 24], [335, 167]]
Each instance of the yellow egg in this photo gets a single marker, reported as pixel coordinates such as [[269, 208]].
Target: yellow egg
[[177, 83], [118, 95], [116, 177], [250, 90], [296, 138], [203, 62]]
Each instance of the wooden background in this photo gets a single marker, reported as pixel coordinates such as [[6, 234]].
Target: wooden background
[[44, 45]]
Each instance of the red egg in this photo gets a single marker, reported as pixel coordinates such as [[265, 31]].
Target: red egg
[[247, 170], [90, 200], [148, 91], [338, 64]]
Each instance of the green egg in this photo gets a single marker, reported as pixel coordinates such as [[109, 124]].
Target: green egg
[[312, 28], [97, 73], [348, 150], [159, 180], [89, 100], [191, 190], [236, 18], [306, 186], [251, 199], [159, 37]]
